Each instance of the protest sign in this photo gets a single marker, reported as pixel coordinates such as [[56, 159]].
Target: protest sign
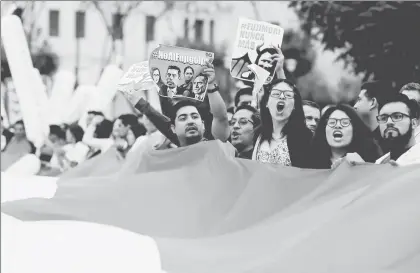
[[254, 44], [178, 72], [136, 83]]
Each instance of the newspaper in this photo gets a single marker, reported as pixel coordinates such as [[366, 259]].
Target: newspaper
[[178, 72]]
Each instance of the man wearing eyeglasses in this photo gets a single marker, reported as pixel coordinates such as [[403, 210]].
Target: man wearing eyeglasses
[[371, 97], [243, 125], [397, 122]]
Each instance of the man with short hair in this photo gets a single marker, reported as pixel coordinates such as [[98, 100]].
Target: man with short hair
[[243, 97], [371, 97], [412, 91], [312, 113], [187, 86], [173, 77], [397, 122], [243, 126], [199, 87]]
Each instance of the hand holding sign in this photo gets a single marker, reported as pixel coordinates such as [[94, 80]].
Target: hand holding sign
[[210, 73]]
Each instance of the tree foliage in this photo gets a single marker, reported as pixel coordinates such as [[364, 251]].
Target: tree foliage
[[380, 39]]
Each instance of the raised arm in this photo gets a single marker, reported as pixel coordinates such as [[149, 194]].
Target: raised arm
[[161, 122], [220, 124]]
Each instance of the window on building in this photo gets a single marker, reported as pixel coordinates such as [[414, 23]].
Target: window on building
[[80, 24], [54, 21], [199, 30], [150, 28], [117, 27], [212, 31], [186, 29]]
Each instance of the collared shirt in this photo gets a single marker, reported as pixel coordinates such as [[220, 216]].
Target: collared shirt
[[172, 92]]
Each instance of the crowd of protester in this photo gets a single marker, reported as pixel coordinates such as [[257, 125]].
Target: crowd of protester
[[275, 127]]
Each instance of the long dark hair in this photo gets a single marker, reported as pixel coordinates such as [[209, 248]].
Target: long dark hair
[[362, 142], [160, 82], [298, 135]]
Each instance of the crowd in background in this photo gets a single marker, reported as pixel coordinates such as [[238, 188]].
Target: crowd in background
[[276, 126]]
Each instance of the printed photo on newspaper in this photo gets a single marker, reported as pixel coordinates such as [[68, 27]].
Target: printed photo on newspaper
[[255, 44], [136, 82], [178, 72]]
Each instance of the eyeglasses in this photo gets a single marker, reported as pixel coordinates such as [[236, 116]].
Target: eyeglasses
[[242, 122], [275, 93], [332, 122], [395, 117]]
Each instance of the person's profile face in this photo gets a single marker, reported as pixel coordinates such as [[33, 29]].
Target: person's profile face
[[172, 78], [119, 129], [199, 85], [188, 74], [363, 103], [265, 61], [188, 123], [156, 75]]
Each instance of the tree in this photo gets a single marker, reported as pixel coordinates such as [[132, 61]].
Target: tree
[[378, 39], [115, 24]]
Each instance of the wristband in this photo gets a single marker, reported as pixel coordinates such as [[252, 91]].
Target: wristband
[[215, 89]]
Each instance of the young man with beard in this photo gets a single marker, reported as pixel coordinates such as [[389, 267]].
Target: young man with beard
[[212, 111], [371, 97], [397, 121], [243, 126], [188, 126]]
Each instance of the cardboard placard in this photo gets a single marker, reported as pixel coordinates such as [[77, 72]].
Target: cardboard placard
[[254, 44]]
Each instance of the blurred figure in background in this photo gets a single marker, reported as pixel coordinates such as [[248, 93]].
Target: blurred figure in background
[[312, 113], [6, 135], [243, 97], [412, 91], [18, 146]]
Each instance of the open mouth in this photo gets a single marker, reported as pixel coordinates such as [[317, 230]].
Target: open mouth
[[337, 135], [280, 106]]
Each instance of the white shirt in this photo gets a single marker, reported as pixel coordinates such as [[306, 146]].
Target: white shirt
[[412, 156]]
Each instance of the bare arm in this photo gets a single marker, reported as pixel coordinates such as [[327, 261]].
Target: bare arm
[[220, 125]]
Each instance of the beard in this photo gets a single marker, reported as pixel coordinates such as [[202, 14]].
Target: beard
[[400, 141], [193, 139]]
